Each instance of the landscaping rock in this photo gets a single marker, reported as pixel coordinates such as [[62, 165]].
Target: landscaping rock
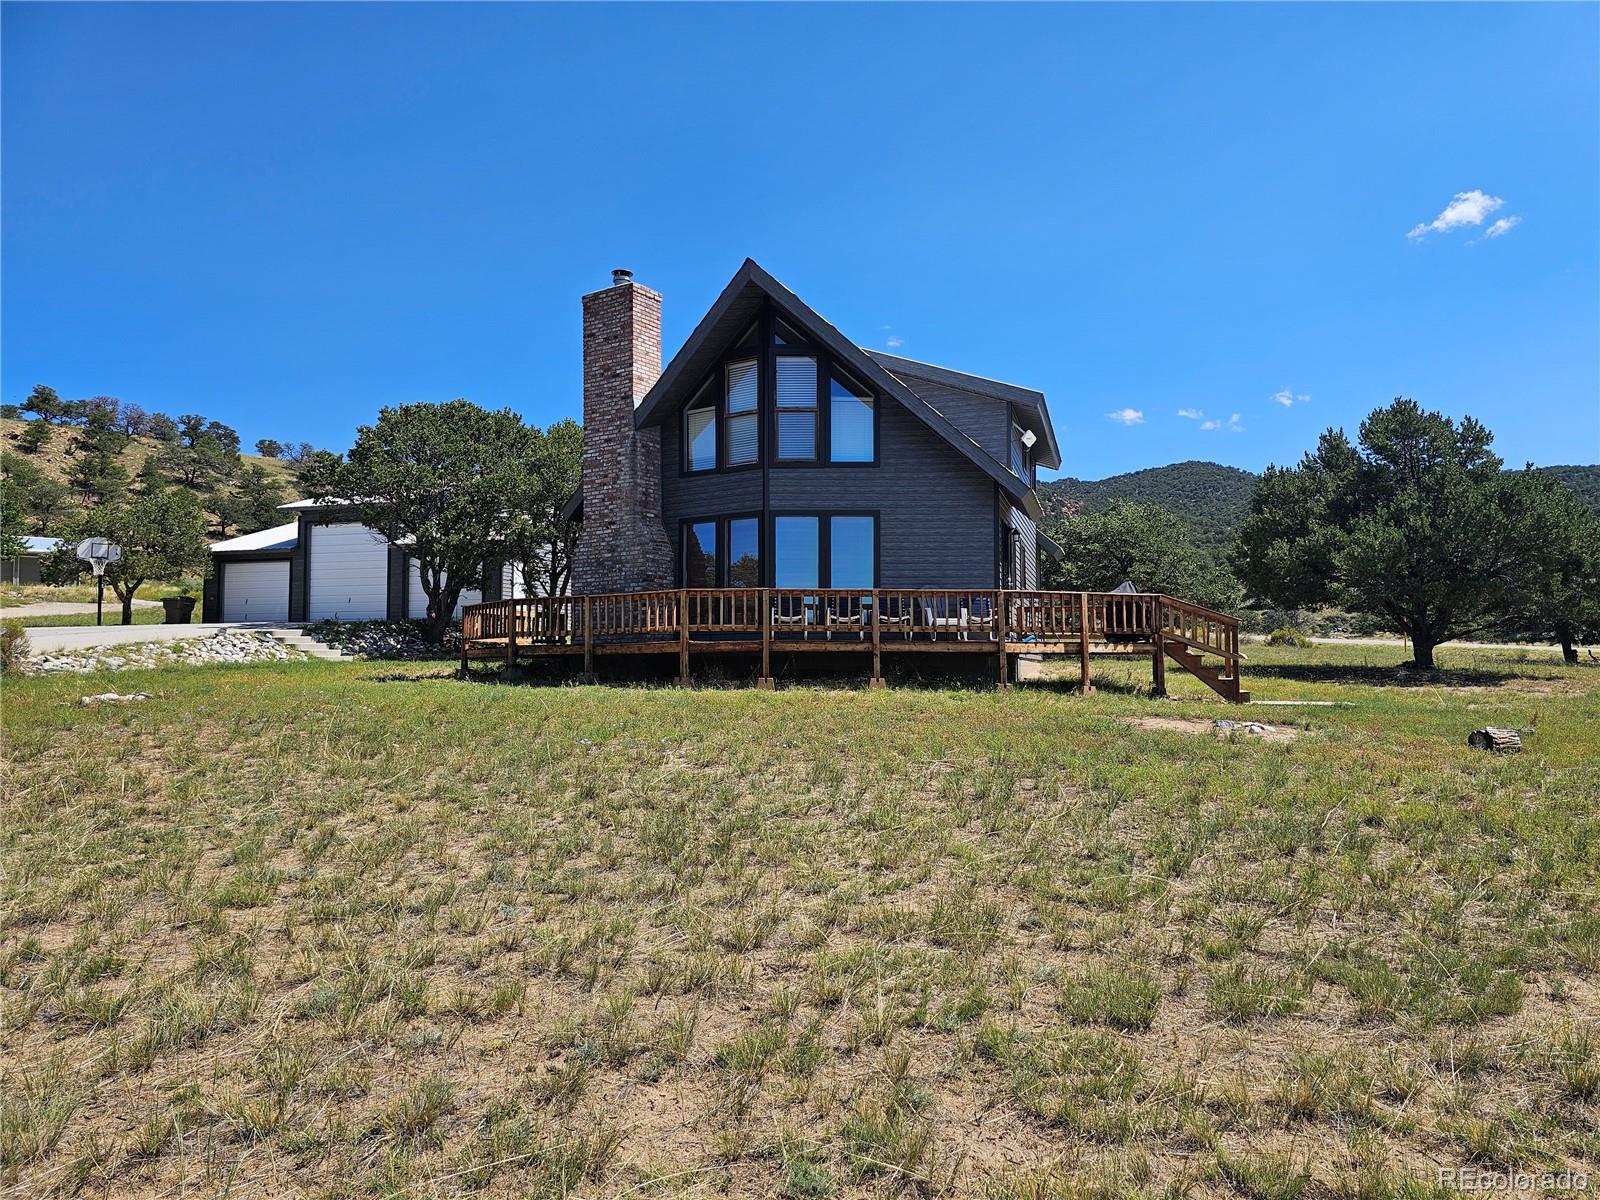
[[233, 647], [385, 639], [114, 698]]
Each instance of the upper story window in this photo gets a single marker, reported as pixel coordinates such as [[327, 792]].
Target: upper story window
[[779, 396], [700, 431], [797, 408], [1021, 457], [744, 425], [851, 429]]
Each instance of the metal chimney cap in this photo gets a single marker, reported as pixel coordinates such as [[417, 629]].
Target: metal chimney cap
[[621, 276]]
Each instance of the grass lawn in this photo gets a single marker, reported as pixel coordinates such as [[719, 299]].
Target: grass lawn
[[113, 616], [370, 931], [13, 595]]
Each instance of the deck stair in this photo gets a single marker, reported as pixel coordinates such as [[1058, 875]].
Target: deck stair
[[1222, 679]]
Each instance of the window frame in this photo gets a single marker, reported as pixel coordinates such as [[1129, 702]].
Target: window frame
[[824, 519], [766, 354], [721, 521]]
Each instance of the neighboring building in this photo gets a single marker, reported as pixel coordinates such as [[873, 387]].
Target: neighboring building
[[773, 451], [325, 565], [24, 568]]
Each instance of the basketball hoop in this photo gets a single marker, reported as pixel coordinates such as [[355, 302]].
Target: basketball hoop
[[98, 552]]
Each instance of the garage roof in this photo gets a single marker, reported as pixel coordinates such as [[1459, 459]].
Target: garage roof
[[279, 537]]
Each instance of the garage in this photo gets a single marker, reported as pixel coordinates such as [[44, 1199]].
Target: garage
[[417, 599], [255, 591], [348, 568]]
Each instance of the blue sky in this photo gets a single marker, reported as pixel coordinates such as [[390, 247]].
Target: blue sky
[[285, 216]]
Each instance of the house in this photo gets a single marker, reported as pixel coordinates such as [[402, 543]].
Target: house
[[773, 451], [24, 567], [325, 565]]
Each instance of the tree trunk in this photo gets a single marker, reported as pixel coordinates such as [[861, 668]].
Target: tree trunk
[[1422, 652], [127, 609], [1569, 651]]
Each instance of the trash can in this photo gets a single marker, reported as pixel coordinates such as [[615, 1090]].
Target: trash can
[[180, 609]]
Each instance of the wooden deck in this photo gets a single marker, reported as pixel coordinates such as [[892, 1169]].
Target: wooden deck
[[883, 621]]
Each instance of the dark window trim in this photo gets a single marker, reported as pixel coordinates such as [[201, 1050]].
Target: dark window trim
[[766, 356], [824, 542], [721, 521]]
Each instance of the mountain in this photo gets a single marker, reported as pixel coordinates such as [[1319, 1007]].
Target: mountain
[[1215, 498], [1583, 480], [1211, 497]]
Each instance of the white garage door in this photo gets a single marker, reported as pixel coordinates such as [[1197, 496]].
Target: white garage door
[[255, 591], [349, 567], [417, 599]]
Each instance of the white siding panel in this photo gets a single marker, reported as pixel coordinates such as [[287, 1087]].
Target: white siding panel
[[417, 599], [255, 591], [349, 570]]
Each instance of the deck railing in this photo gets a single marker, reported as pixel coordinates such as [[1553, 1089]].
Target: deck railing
[[831, 613], [772, 620]]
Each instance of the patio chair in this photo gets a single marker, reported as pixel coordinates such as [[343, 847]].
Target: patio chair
[[979, 614], [845, 612], [894, 612], [791, 612], [944, 612]]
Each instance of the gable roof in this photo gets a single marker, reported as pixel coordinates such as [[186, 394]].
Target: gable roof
[[978, 385], [279, 537], [732, 313]]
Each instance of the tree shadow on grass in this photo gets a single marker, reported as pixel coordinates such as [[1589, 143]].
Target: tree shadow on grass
[[1401, 675]]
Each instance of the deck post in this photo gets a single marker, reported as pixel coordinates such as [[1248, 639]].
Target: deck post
[[683, 637], [1158, 660], [877, 643], [1085, 688], [511, 633], [1000, 636], [588, 639], [766, 682]]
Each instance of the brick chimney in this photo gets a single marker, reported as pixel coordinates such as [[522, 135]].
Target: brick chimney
[[622, 546]]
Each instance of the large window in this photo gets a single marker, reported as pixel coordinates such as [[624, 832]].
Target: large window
[[744, 552], [722, 552], [850, 424], [795, 552], [744, 423], [778, 403], [700, 554], [839, 551], [797, 409]]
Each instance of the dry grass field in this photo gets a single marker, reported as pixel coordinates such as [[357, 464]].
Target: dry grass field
[[370, 931]]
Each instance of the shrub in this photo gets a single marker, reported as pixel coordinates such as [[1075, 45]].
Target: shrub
[[13, 646], [1287, 635]]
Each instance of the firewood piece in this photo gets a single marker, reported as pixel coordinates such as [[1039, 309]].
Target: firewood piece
[[1501, 741]]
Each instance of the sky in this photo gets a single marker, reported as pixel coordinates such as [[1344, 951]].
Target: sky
[[1203, 231]]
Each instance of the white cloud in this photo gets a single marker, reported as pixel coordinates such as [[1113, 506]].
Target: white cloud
[[1126, 416], [1502, 227], [1468, 208], [894, 341], [1232, 424], [1288, 398], [1190, 414]]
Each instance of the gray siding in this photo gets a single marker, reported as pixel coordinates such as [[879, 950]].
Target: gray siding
[[686, 496], [984, 419], [936, 511], [1023, 524]]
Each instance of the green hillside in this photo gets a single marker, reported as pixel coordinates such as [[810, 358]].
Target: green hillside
[[1212, 497]]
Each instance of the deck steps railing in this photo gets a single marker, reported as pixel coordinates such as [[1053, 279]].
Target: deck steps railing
[[1007, 621]]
